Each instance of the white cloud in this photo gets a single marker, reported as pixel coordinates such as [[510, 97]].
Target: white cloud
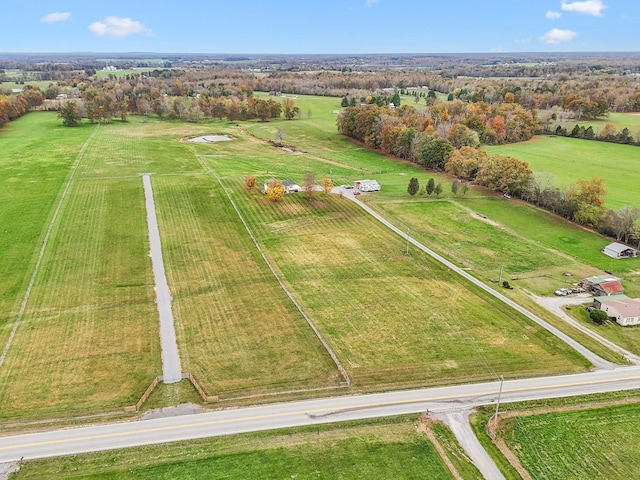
[[558, 36], [523, 40], [370, 3], [553, 15], [589, 7], [55, 17], [118, 27]]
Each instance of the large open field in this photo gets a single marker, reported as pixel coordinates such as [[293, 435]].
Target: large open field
[[570, 159], [383, 312]]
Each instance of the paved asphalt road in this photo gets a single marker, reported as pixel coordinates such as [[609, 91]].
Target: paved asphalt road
[[309, 412], [458, 422]]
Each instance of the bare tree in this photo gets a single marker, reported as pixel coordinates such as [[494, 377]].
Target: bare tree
[[309, 185]]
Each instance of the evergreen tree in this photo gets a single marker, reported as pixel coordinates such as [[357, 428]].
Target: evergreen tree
[[454, 187], [588, 133], [576, 131], [431, 186], [413, 187]]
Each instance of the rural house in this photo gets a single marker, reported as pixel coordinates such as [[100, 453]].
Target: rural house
[[626, 312], [290, 186], [602, 285], [598, 301], [619, 250], [367, 185]]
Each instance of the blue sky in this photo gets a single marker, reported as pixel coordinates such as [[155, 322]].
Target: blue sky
[[326, 26]]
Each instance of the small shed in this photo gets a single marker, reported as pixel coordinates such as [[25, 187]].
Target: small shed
[[619, 250]]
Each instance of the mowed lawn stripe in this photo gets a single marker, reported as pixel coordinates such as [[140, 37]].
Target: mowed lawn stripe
[[36, 158], [237, 330], [89, 340], [135, 148], [392, 318]]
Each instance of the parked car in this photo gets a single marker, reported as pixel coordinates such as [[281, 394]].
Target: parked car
[[561, 292], [590, 309]]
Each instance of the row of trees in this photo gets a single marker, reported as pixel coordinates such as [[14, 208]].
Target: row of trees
[[102, 107], [582, 202], [275, 188], [608, 134]]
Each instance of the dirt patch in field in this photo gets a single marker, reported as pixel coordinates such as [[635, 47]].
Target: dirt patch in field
[[484, 218], [212, 138]]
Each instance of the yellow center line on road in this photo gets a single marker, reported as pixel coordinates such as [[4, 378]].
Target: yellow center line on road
[[306, 412]]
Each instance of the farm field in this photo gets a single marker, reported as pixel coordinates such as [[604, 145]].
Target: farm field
[[384, 313], [88, 339], [594, 443], [233, 341], [385, 448], [570, 159], [552, 434], [37, 155]]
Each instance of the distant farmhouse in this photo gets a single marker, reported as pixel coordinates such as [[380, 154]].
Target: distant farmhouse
[[619, 250], [602, 285], [289, 186]]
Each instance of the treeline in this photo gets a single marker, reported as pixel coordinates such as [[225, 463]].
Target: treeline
[[14, 106], [102, 107], [608, 134]]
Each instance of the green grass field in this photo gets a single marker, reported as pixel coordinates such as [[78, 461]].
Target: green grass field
[[596, 443], [236, 343], [88, 341], [572, 437], [384, 313], [620, 120], [571, 159], [385, 448]]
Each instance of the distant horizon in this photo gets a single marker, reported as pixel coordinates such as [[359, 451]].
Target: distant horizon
[[333, 54], [284, 27]]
